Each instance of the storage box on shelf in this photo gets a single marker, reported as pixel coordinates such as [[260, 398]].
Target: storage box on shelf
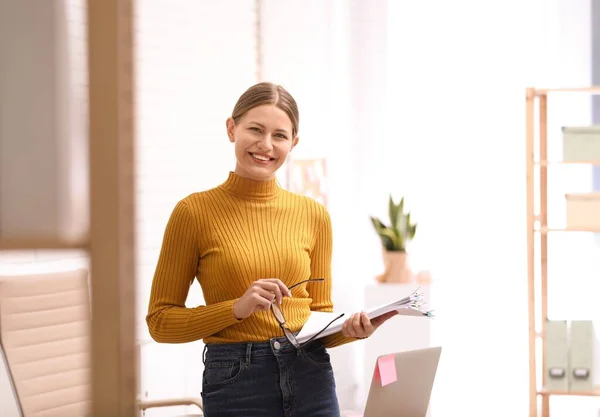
[[581, 145], [583, 211], [581, 356], [556, 356]]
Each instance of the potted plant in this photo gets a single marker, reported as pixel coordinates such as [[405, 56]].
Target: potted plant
[[395, 238]]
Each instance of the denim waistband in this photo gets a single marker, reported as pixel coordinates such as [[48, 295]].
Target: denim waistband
[[275, 346]]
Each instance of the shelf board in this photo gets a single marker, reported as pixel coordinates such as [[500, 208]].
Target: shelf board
[[548, 163], [545, 91], [594, 393], [546, 230]]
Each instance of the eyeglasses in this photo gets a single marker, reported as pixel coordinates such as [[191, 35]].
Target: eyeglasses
[[289, 335]]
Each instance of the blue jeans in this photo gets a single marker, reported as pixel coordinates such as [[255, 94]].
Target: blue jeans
[[268, 379]]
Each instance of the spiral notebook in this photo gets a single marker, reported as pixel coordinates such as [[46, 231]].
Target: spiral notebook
[[411, 305]]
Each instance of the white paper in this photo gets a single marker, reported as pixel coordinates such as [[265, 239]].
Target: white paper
[[317, 321]]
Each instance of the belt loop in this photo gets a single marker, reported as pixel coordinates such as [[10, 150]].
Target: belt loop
[[248, 353], [204, 354]]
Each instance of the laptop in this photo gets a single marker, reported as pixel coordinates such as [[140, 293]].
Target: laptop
[[409, 395]]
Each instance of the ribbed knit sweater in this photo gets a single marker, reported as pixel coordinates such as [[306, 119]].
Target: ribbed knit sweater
[[227, 238]]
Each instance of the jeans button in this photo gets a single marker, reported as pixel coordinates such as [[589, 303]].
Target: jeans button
[[276, 345]]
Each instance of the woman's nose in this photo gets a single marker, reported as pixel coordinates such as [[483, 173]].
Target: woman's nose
[[265, 143]]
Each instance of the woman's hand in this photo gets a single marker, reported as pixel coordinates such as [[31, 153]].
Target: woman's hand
[[259, 296], [360, 326]]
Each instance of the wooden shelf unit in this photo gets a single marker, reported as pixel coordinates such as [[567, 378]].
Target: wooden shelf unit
[[547, 163], [537, 224]]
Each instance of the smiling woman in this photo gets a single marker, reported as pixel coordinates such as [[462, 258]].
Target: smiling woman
[[249, 243]]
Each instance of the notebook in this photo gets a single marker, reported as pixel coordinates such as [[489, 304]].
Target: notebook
[[411, 305]]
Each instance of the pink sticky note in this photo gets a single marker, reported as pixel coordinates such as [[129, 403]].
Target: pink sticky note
[[385, 370]]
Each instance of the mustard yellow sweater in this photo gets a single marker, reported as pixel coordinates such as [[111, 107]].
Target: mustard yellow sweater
[[228, 237]]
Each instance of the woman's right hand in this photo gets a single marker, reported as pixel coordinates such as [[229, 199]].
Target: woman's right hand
[[259, 296]]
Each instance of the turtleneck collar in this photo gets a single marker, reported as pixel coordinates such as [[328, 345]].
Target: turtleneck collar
[[249, 188]]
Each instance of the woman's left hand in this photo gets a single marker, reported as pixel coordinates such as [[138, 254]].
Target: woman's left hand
[[360, 326]]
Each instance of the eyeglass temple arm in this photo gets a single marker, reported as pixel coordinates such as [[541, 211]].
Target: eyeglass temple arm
[[306, 280]]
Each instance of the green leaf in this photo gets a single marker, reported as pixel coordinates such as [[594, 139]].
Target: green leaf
[[401, 205], [391, 235], [378, 224], [407, 224], [401, 243], [387, 243], [413, 231], [401, 222], [392, 211]]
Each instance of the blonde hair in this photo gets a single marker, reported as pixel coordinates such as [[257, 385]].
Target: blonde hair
[[267, 93]]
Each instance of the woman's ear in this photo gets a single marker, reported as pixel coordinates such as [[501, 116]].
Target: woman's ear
[[294, 142], [230, 124]]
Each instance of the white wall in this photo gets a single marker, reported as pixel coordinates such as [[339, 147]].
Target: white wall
[[457, 98]]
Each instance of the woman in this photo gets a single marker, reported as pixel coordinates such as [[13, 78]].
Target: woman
[[262, 256]]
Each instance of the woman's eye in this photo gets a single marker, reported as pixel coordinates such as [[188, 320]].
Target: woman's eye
[[280, 136]]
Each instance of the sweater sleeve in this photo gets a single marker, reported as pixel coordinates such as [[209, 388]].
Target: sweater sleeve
[[320, 267], [168, 319]]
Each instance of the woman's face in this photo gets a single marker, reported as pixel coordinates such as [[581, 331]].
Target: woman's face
[[263, 139]]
